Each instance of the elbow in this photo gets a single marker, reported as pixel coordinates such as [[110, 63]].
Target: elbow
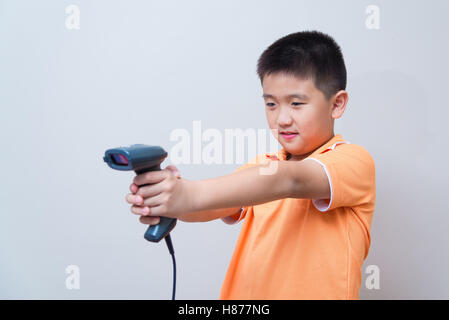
[[307, 180], [295, 188], [292, 182], [311, 181]]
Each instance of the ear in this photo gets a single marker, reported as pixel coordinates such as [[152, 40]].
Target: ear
[[339, 104]]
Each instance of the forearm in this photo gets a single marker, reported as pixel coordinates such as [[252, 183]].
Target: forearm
[[244, 188], [208, 215]]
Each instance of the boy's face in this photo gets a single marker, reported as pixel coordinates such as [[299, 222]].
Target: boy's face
[[297, 106]]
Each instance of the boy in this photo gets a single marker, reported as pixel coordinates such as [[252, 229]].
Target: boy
[[306, 225]]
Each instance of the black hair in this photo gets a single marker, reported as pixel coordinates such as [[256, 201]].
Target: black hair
[[306, 55]]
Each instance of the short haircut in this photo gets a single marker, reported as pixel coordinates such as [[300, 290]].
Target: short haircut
[[306, 55]]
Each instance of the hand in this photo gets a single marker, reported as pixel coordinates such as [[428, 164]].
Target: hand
[[168, 195]]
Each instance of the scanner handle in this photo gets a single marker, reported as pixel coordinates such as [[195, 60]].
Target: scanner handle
[[156, 233]]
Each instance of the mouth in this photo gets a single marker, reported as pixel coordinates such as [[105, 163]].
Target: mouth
[[288, 134]]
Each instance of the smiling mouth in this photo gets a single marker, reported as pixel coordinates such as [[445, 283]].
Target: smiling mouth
[[289, 135]]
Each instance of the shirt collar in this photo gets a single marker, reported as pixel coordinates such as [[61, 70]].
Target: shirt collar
[[282, 154]]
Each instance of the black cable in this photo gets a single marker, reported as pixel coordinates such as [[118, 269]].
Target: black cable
[[174, 277], [172, 252]]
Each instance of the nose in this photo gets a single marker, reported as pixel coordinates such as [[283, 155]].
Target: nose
[[284, 117]]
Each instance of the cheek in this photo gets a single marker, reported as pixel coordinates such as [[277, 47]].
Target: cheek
[[301, 118], [306, 121], [271, 119]]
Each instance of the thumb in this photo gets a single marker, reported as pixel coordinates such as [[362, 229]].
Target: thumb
[[174, 170]]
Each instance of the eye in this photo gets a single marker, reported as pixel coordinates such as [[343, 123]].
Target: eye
[[297, 103], [270, 104]]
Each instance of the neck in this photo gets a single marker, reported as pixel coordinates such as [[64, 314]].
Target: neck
[[299, 157], [293, 157]]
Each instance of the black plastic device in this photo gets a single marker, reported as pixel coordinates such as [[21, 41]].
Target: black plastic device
[[143, 158]]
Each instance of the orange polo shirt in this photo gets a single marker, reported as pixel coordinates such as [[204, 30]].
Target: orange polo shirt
[[307, 248]]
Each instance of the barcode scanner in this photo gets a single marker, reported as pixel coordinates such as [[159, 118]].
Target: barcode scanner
[[144, 158]]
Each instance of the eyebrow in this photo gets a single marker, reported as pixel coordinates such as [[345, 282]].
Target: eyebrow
[[295, 95]]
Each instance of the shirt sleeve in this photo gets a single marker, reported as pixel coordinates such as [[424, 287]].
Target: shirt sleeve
[[238, 216], [351, 173]]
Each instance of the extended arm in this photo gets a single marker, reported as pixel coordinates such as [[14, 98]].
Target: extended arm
[[291, 179], [169, 196]]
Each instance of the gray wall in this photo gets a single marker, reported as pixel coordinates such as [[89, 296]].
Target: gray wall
[[137, 70]]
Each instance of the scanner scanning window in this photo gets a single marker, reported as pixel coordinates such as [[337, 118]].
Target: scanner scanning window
[[119, 159]]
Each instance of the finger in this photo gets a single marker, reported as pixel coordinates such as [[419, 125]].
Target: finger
[[150, 177], [173, 169], [154, 201], [133, 199], [150, 220], [150, 191], [157, 211], [142, 211], [133, 187]]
